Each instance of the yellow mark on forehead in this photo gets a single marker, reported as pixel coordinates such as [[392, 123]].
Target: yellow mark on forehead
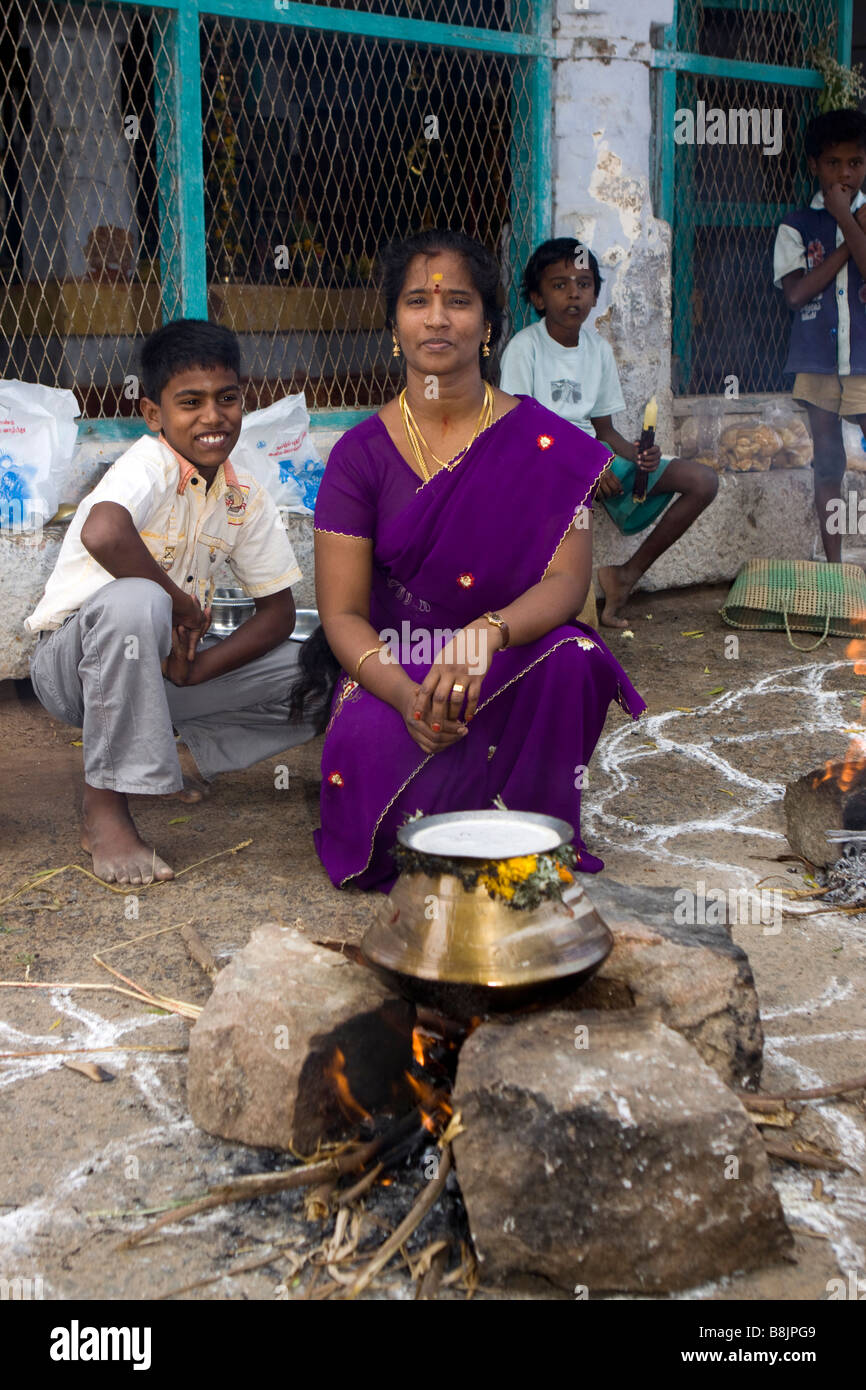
[[437, 282]]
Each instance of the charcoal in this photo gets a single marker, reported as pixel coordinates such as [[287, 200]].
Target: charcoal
[[846, 878]]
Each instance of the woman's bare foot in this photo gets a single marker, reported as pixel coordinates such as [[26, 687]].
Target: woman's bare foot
[[109, 836], [615, 589]]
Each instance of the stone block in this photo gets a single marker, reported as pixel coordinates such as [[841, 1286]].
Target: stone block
[[286, 1020], [26, 562], [696, 976], [753, 515], [624, 1164], [815, 805]]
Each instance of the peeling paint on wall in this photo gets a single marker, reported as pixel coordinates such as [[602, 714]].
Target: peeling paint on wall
[[602, 191]]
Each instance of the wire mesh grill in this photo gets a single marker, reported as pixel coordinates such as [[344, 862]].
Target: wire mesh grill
[[729, 198], [81, 87], [755, 31], [510, 16], [305, 179], [318, 147]]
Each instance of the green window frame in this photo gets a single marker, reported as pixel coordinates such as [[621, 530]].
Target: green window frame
[[179, 138], [672, 188]]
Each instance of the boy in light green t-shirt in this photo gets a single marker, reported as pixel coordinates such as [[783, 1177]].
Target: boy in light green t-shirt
[[574, 373]]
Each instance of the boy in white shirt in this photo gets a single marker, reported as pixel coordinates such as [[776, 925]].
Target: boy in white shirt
[[124, 611], [574, 373]]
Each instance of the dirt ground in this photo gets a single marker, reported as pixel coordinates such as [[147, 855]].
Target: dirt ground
[[690, 795]]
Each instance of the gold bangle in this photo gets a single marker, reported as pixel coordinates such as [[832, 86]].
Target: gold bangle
[[363, 658]]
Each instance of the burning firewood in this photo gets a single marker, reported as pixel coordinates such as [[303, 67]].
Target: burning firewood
[[428, 1198]]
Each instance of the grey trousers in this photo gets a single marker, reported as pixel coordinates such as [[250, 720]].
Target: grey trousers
[[101, 671]]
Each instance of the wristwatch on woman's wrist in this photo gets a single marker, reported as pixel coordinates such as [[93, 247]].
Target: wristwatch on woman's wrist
[[499, 622]]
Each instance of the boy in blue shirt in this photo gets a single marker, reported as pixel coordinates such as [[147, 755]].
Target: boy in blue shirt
[[574, 373], [819, 262]]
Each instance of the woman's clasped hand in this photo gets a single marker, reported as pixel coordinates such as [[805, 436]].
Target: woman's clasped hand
[[439, 711]]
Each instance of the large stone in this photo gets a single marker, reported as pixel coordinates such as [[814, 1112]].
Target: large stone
[[753, 515], [815, 805], [286, 1018], [622, 1165], [698, 978]]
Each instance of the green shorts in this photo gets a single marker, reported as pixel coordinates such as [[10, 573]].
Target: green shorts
[[632, 516]]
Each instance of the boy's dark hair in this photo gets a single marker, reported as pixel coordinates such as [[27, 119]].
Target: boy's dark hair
[[561, 248], [835, 128], [483, 269], [182, 344]]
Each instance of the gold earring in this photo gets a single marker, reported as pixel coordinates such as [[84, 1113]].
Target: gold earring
[[396, 349], [485, 348]]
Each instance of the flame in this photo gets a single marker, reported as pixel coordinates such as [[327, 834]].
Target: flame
[[433, 1105], [854, 762], [430, 1101], [827, 775], [418, 1046], [336, 1072], [856, 652]]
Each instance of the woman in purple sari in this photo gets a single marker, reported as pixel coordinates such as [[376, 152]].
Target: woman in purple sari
[[453, 547]]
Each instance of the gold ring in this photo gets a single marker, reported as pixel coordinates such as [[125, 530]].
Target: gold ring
[[458, 689]]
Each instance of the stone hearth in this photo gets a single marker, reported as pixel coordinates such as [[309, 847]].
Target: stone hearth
[[605, 1144]]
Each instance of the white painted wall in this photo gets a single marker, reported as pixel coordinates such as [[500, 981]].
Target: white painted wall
[[77, 170], [601, 163]]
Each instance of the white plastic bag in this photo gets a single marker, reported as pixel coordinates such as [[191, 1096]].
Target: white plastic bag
[[275, 445], [37, 440]]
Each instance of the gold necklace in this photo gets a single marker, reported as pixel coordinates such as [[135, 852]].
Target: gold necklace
[[417, 442]]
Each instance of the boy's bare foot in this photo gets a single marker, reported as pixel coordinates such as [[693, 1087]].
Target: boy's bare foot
[[191, 791], [109, 836], [615, 589]]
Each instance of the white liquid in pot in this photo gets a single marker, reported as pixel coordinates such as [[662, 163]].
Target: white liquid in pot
[[485, 837]]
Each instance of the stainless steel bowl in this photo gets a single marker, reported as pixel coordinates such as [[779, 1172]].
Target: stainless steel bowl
[[230, 608], [306, 622]]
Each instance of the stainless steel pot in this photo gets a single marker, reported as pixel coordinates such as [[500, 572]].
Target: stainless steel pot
[[230, 608], [306, 622]]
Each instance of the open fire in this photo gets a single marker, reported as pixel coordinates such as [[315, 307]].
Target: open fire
[[336, 1072], [429, 1079], [847, 773], [826, 812], [386, 1150]]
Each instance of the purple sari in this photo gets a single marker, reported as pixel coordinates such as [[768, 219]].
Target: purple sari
[[470, 540]]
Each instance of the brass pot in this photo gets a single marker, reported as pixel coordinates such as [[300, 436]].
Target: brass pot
[[465, 953]]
